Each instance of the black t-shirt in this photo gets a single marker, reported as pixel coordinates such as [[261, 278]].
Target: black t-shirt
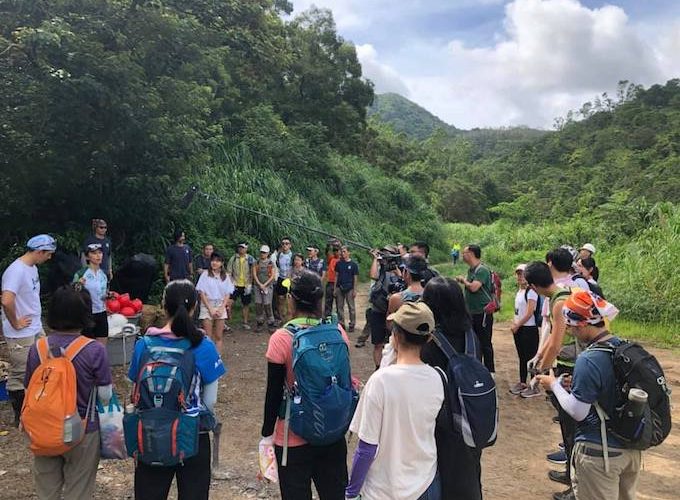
[[106, 250], [178, 259]]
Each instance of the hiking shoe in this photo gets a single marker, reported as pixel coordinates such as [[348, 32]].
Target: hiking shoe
[[559, 477], [246, 326], [517, 388], [564, 495], [360, 343], [530, 392], [558, 458]]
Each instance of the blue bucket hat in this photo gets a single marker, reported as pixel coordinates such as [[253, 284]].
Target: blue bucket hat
[[42, 242]]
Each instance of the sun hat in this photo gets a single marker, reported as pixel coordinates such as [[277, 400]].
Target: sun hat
[[588, 246], [42, 242], [414, 317]]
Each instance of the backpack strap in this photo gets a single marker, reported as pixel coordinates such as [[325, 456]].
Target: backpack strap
[[43, 348], [470, 349], [76, 346], [603, 434], [443, 344]]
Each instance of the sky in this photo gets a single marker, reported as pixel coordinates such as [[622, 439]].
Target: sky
[[493, 63]]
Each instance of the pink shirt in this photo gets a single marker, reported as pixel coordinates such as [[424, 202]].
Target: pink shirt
[[280, 351]]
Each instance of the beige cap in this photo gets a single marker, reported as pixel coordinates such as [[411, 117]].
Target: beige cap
[[520, 267], [264, 248], [588, 246], [414, 317]]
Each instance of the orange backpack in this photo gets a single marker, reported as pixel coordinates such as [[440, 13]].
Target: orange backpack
[[50, 412]]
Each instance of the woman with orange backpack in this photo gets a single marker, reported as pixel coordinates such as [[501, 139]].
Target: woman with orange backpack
[[66, 458]]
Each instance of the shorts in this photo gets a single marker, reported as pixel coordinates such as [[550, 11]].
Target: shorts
[[379, 333], [240, 292], [100, 329], [279, 289], [205, 314]]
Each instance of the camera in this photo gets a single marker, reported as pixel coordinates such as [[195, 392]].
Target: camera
[[390, 261]]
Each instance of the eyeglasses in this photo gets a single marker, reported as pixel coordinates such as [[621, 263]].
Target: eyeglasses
[[102, 227]]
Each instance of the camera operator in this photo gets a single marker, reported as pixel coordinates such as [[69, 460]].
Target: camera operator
[[386, 274]]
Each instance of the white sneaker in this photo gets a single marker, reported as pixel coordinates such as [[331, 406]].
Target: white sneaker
[[530, 393]]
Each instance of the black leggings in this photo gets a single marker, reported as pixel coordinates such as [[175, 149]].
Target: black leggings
[[325, 465], [567, 423], [193, 478], [483, 327], [526, 343]]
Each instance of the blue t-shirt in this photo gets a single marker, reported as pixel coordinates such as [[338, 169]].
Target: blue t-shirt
[[178, 259], [344, 274], [594, 380], [209, 366]]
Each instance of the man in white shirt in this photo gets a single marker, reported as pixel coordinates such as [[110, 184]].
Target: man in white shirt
[[21, 312]]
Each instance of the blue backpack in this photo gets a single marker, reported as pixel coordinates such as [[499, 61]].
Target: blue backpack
[[159, 431], [320, 405], [470, 393]]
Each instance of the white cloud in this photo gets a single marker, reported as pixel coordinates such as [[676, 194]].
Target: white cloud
[[385, 77], [552, 56]]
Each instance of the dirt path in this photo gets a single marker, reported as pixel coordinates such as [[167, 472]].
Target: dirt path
[[515, 468]]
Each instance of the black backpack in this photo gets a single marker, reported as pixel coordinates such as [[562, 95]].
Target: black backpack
[[634, 367]]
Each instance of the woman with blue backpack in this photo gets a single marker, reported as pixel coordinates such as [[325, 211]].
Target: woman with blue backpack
[[308, 407], [459, 465], [175, 370], [396, 457]]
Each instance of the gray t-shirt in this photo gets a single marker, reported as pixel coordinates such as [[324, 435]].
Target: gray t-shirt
[[23, 281]]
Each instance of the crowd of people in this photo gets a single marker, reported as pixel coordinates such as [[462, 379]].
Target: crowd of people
[[410, 445]]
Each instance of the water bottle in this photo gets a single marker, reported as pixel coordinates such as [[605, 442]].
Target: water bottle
[[631, 420], [73, 429]]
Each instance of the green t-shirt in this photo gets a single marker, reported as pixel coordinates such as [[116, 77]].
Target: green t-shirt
[[477, 300]]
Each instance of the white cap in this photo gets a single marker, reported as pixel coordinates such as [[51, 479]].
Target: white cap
[[265, 248], [589, 247], [520, 267]]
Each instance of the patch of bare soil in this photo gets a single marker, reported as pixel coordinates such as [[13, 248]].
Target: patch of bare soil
[[515, 468]]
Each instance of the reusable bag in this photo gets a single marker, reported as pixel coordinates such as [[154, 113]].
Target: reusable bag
[[111, 429]]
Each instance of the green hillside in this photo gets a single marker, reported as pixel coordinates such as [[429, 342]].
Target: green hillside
[[406, 116]]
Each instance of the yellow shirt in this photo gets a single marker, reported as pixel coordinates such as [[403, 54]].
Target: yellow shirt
[[242, 272]]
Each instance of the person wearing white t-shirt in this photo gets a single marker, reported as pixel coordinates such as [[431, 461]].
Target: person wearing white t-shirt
[[395, 420], [524, 328], [215, 289], [21, 312]]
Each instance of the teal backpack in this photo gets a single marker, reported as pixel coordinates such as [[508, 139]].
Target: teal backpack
[[320, 405]]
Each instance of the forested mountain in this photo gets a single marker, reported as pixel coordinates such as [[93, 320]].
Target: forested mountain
[[406, 116], [114, 108]]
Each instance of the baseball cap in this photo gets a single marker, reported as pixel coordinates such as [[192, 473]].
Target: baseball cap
[[414, 317], [390, 249], [588, 246], [93, 247], [265, 248], [42, 242], [521, 267], [312, 247], [242, 245]]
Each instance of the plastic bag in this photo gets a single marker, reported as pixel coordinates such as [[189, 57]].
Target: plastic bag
[[111, 430], [268, 469]]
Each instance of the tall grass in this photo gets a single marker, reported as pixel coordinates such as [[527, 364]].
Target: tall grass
[[638, 273]]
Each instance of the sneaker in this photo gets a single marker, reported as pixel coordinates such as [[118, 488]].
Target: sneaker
[[246, 326], [360, 343], [556, 419], [351, 329], [564, 495], [517, 388], [258, 327], [559, 477], [530, 392], [558, 458], [561, 446], [227, 329]]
